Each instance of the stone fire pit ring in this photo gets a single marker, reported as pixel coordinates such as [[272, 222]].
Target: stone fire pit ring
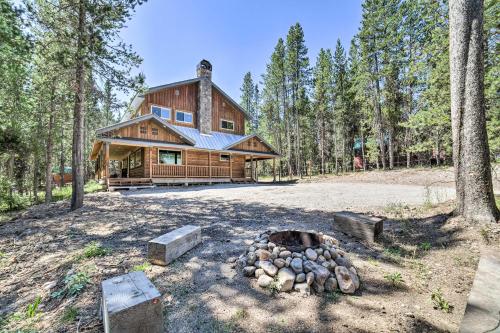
[[295, 260]]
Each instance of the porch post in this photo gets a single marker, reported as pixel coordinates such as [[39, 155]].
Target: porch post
[[151, 162], [185, 163], [251, 167], [106, 160], [274, 170], [256, 170], [231, 166], [210, 166], [128, 165]]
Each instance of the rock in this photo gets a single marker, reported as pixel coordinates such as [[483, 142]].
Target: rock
[[251, 258], [286, 278], [344, 280], [333, 254], [303, 288], [341, 253], [331, 265], [248, 242], [326, 264], [259, 272], [271, 246], [285, 254], [49, 285], [296, 265], [321, 259], [309, 278], [311, 254], [320, 272], [251, 249], [330, 284], [231, 260], [241, 262], [275, 253], [269, 268], [327, 255], [249, 271], [318, 288], [264, 281], [300, 278], [354, 277], [342, 261], [279, 262], [296, 255], [288, 261], [319, 250], [261, 246], [282, 248], [263, 254], [257, 264]]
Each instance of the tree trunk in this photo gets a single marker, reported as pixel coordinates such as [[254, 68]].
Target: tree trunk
[[391, 150], [475, 200], [363, 150], [78, 116], [48, 156], [61, 157]]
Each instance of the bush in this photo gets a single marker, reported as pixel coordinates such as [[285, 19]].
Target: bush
[[73, 285], [95, 249]]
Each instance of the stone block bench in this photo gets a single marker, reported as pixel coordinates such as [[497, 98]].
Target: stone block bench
[[482, 313], [131, 304], [168, 247], [364, 227]]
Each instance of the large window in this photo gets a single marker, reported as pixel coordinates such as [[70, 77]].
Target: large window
[[169, 157], [225, 157], [227, 125], [161, 111], [136, 159], [184, 117]]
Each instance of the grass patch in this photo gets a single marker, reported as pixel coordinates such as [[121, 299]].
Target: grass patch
[[333, 297], [146, 266], [32, 309], [240, 314], [425, 246], [69, 315], [396, 209], [95, 249]]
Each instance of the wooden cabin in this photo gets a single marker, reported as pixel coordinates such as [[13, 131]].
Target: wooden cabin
[[183, 132]]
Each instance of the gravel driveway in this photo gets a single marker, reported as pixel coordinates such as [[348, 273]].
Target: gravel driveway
[[327, 196]]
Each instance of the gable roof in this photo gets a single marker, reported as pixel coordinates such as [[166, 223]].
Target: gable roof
[[140, 97], [248, 137], [149, 116]]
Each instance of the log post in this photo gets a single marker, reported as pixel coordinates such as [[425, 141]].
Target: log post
[[274, 170], [151, 162], [185, 163], [231, 166], [256, 170], [106, 160], [210, 166], [251, 167]]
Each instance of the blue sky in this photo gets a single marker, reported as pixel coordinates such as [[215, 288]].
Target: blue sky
[[235, 36]]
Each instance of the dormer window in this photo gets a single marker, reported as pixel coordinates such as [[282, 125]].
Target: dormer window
[[161, 112], [184, 117], [227, 125]]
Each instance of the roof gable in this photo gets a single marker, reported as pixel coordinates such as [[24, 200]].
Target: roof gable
[[252, 142]]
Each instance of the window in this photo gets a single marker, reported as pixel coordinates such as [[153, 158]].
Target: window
[[227, 125], [143, 130], [225, 157], [154, 131], [136, 159], [184, 117], [169, 157], [161, 111]]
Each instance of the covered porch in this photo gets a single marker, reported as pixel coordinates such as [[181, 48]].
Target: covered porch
[[126, 164]]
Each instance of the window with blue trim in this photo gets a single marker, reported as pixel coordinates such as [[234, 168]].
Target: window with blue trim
[[161, 111], [184, 117]]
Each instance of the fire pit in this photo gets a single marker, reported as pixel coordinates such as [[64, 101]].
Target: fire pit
[[298, 260]]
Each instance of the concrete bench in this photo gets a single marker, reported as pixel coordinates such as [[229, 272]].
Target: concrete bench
[[360, 226], [166, 248], [482, 313], [131, 304]]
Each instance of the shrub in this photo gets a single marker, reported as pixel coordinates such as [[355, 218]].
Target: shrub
[[394, 278], [70, 315], [426, 246], [32, 308], [73, 285], [142, 267], [440, 302]]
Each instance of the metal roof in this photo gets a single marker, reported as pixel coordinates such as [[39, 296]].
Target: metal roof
[[215, 140]]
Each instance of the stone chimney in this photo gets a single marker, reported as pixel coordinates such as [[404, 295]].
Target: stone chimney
[[204, 72]]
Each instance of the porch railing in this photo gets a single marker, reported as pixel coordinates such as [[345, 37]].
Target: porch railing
[[193, 171]]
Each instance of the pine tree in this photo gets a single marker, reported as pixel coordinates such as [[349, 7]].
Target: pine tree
[[248, 101]]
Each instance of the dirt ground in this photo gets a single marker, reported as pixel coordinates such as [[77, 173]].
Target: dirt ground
[[202, 292]]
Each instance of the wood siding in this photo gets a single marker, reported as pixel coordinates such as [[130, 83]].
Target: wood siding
[[185, 100], [253, 144], [144, 130], [223, 109]]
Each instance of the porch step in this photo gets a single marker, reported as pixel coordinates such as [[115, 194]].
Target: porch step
[[129, 183]]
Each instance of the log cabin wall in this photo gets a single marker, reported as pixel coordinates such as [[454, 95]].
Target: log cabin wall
[[182, 98], [138, 172], [238, 166], [222, 109], [253, 145]]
